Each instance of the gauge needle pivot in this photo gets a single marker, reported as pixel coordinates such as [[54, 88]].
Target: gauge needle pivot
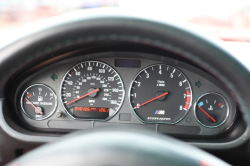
[[97, 90], [207, 114], [40, 112], [164, 94]]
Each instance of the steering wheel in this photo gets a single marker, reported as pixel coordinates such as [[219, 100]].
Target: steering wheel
[[122, 146]]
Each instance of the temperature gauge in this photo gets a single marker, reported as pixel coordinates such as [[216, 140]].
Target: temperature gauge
[[211, 110], [38, 102]]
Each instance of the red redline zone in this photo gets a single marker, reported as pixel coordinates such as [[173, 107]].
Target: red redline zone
[[188, 100]]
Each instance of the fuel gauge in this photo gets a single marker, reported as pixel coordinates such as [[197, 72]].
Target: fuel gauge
[[38, 102], [211, 110]]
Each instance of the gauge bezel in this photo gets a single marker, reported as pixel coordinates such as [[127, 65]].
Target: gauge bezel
[[46, 116], [208, 93], [130, 87], [123, 91]]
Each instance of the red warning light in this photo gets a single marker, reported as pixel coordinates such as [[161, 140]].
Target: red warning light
[[220, 105], [30, 95]]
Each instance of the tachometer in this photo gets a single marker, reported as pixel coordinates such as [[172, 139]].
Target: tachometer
[[92, 90], [160, 94]]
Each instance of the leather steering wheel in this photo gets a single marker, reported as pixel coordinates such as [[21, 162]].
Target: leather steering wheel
[[113, 146]]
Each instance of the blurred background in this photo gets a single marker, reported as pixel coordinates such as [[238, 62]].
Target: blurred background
[[229, 20]]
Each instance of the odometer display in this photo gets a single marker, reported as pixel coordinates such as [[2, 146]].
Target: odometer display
[[160, 94], [92, 90]]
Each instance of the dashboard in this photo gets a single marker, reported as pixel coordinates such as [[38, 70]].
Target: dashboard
[[126, 89], [122, 71]]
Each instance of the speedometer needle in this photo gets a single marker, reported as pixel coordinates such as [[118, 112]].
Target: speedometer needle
[[164, 94], [207, 114], [97, 90], [40, 112]]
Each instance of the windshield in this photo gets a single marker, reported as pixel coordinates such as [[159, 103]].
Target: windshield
[[229, 20]]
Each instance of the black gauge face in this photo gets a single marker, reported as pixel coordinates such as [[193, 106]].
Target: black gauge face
[[211, 110], [160, 94], [38, 102], [92, 90]]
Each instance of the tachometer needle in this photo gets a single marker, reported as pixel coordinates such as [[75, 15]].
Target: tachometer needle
[[97, 90], [40, 112], [164, 94], [207, 114]]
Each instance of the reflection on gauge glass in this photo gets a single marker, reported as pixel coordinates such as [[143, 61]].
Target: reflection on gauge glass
[[211, 110], [160, 94], [38, 102], [92, 90]]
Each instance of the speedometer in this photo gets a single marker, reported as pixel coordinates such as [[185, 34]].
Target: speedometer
[[160, 94], [92, 90]]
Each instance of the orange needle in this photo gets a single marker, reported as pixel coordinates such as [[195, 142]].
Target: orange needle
[[164, 94], [97, 90], [207, 114], [40, 112]]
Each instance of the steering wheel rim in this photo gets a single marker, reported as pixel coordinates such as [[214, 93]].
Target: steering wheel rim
[[92, 28], [118, 147]]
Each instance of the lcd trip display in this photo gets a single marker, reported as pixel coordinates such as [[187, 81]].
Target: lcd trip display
[[91, 112], [128, 63]]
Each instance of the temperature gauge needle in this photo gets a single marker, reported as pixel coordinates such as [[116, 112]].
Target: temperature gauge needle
[[97, 90], [40, 112], [164, 94], [207, 114]]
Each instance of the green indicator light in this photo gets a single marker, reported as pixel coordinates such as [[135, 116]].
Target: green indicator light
[[54, 77], [198, 84]]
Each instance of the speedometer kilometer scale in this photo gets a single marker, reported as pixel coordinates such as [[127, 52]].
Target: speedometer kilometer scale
[[92, 90], [160, 94]]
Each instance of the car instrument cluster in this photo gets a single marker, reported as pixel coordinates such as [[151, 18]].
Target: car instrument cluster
[[163, 94]]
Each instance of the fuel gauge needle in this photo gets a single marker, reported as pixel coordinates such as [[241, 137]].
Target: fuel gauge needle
[[40, 112], [164, 94], [207, 114]]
